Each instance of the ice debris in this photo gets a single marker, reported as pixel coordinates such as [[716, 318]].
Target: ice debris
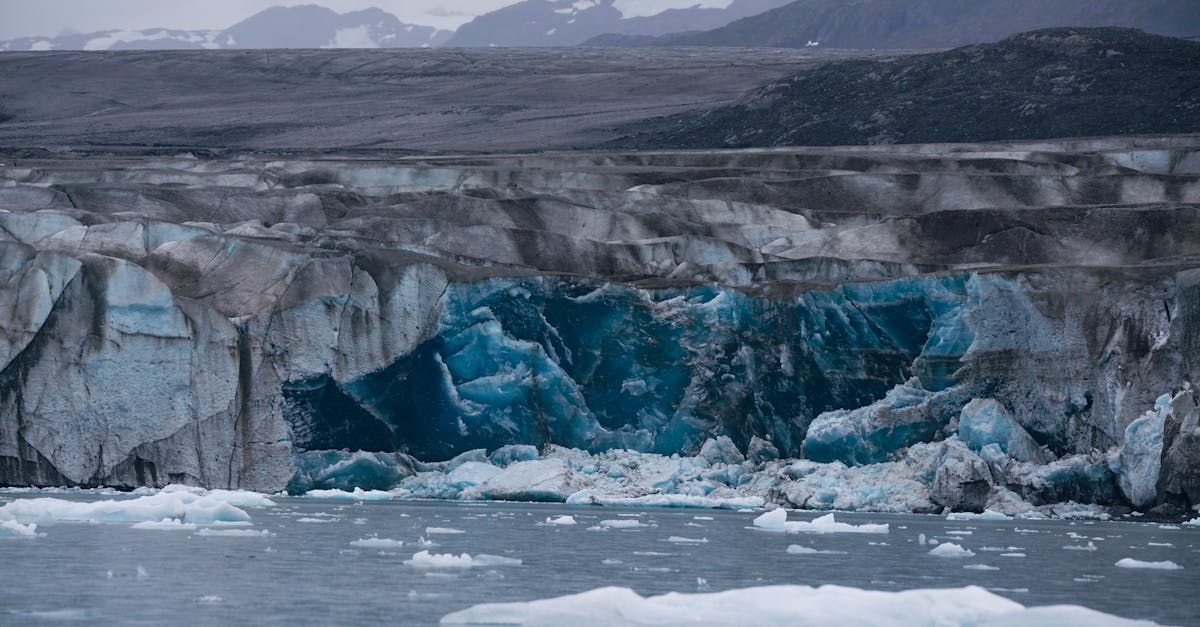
[[188, 505], [425, 559], [1129, 562], [357, 494], [14, 529], [377, 543], [783, 605], [560, 520], [776, 520], [951, 550]]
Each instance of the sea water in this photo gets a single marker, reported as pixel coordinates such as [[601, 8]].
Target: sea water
[[335, 562]]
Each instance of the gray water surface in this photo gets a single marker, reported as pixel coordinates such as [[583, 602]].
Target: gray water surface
[[308, 573]]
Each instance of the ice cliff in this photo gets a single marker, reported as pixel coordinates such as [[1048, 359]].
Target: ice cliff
[[979, 323]]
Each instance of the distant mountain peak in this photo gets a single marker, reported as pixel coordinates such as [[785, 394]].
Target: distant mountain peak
[[572, 22], [301, 26]]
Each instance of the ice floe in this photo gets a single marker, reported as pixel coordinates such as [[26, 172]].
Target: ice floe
[[776, 520], [14, 529], [233, 533], [1129, 562], [357, 494], [560, 520], [188, 505], [783, 605], [377, 543], [425, 559], [951, 550]]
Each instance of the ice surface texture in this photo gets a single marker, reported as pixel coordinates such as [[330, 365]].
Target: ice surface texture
[[784, 605], [953, 327]]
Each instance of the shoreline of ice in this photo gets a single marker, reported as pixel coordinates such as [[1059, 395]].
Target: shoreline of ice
[[719, 478]]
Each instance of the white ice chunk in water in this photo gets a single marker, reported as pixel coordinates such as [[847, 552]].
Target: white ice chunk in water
[[560, 520], [377, 543], [783, 605], [1090, 546], [797, 549], [776, 520], [234, 533], [980, 567], [430, 531], [185, 506], [951, 550], [358, 494], [622, 524], [425, 559], [683, 540], [14, 529], [1129, 562]]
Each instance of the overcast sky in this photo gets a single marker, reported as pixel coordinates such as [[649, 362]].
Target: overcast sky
[[29, 18]]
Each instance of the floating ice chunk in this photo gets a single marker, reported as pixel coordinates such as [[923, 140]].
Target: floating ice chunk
[[980, 567], [952, 550], [1129, 562], [358, 494], [425, 544], [237, 498], [377, 543], [622, 524], [14, 529], [234, 533], [586, 497], [186, 506], [1195, 522], [710, 518], [425, 559], [959, 533], [986, 515], [776, 520], [560, 520], [783, 605], [166, 524], [442, 531], [1012, 555], [1159, 544], [1090, 546], [311, 520], [209, 599], [683, 540], [797, 549]]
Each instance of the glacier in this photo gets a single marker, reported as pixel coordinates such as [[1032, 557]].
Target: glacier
[[1006, 327]]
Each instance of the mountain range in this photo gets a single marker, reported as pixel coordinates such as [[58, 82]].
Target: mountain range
[[572, 22], [307, 26], [883, 24]]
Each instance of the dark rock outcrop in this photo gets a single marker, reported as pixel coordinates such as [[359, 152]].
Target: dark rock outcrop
[[1038, 85]]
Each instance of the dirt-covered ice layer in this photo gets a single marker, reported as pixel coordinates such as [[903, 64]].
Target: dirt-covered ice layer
[[979, 319]]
